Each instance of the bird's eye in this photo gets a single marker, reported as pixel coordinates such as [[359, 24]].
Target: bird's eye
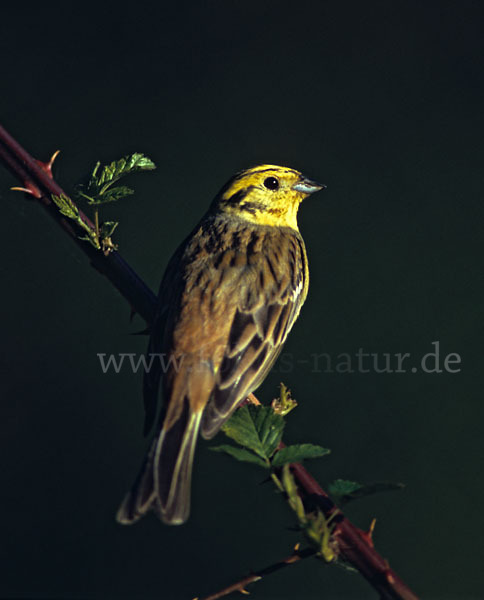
[[271, 183]]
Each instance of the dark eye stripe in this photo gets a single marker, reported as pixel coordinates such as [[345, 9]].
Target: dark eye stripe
[[237, 196], [253, 207]]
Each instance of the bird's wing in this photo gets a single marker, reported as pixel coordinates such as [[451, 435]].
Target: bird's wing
[[267, 308]]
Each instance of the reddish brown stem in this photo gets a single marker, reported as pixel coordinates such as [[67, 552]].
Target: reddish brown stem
[[355, 545]]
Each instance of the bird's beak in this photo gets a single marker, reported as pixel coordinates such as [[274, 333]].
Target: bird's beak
[[307, 186]]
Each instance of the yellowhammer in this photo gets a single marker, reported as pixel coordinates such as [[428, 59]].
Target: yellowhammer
[[229, 297]]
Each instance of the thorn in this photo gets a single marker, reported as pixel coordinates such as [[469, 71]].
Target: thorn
[[47, 167], [371, 529], [389, 576], [53, 157], [244, 591], [20, 189], [30, 189], [296, 547], [294, 556], [367, 535]]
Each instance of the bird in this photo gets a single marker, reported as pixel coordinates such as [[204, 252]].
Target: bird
[[227, 301]]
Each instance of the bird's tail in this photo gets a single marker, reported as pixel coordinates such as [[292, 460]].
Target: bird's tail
[[163, 484]]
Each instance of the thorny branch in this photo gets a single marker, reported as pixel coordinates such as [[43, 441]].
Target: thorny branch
[[36, 179], [355, 546], [240, 585]]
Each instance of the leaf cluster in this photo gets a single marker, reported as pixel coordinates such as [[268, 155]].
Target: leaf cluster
[[100, 190], [258, 431], [67, 208]]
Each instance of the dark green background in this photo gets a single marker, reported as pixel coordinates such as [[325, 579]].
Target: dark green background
[[382, 101]]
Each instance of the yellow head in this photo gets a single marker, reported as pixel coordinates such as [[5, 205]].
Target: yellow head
[[265, 195]]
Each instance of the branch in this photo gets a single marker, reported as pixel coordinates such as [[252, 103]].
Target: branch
[[355, 546], [240, 585], [36, 179]]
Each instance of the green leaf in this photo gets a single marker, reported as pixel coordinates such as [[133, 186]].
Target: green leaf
[[344, 491], [240, 428], [293, 497], [99, 190], [119, 168], [78, 192], [111, 195], [269, 426], [341, 490], [67, 208], [107, 229], [297, 453], [319, 530], [241, 454], [257, 428]]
